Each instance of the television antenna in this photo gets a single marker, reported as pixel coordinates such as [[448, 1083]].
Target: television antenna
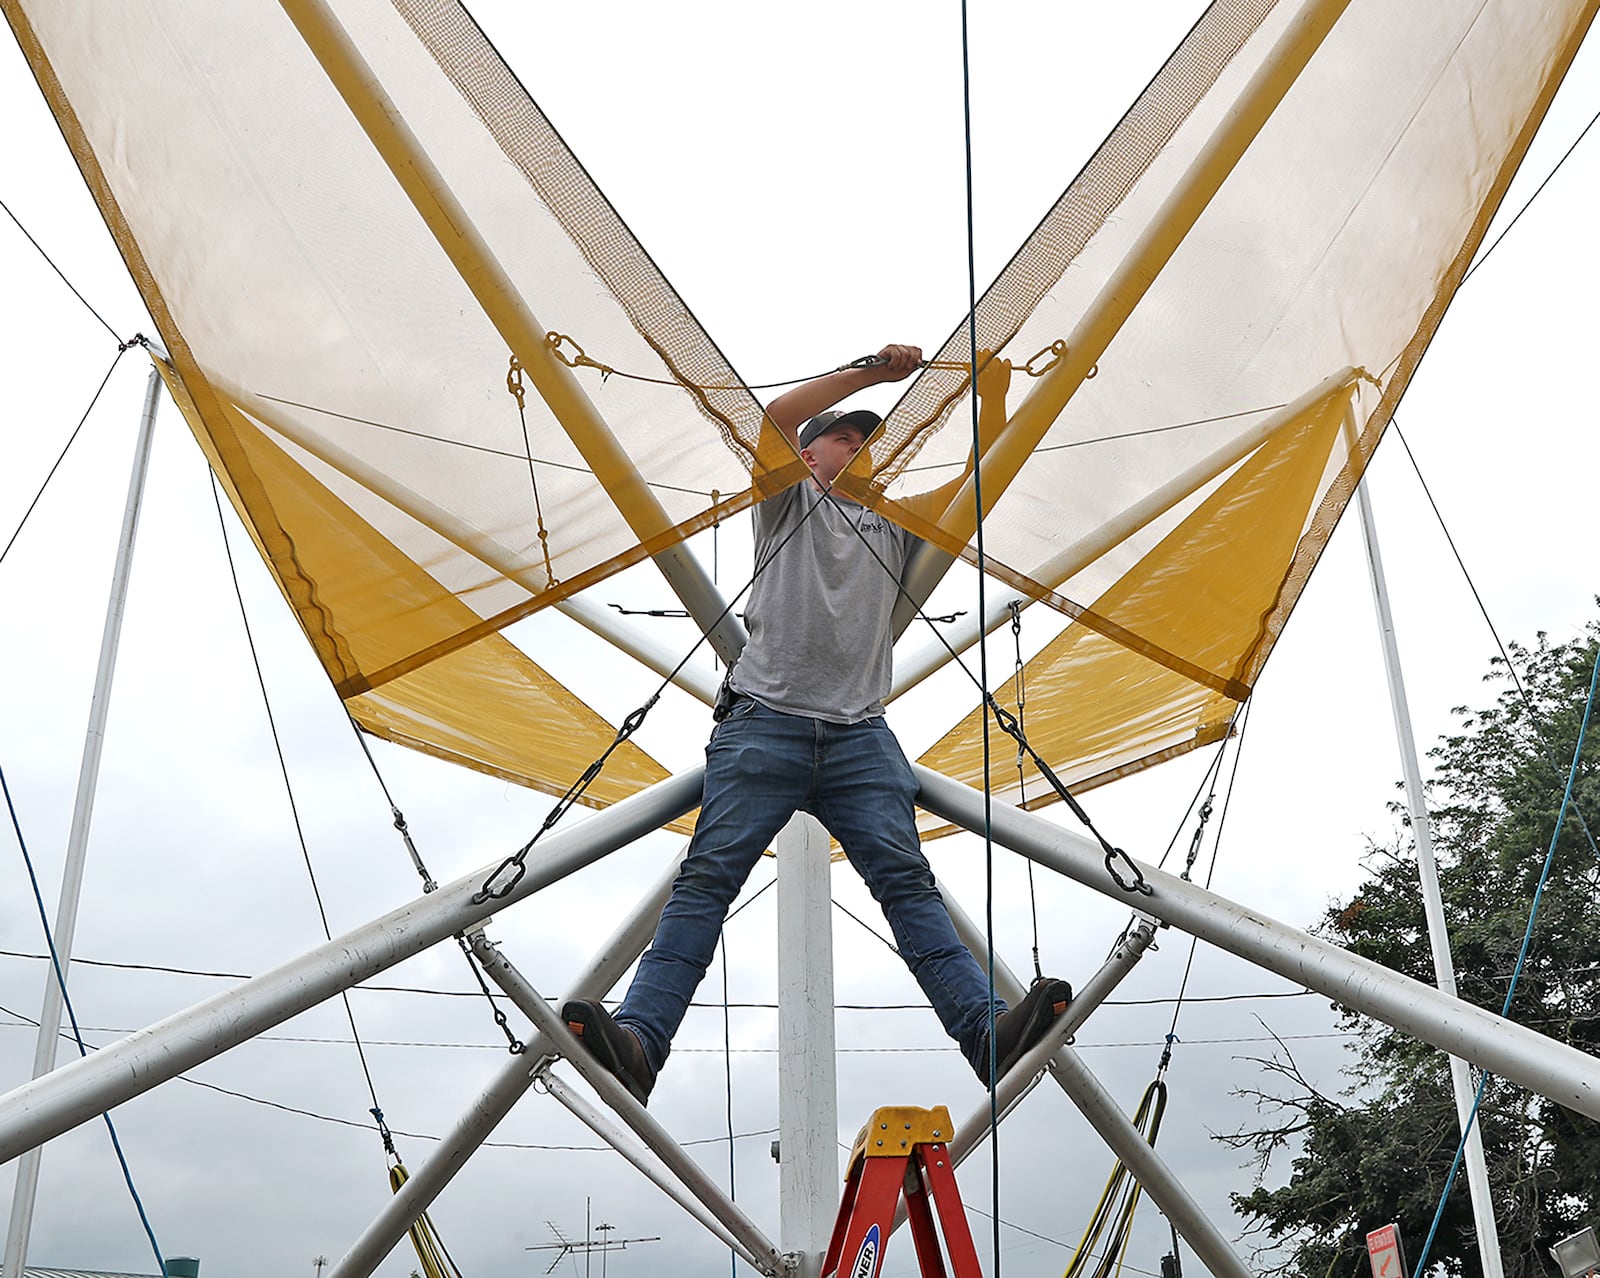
[[604, 1245]]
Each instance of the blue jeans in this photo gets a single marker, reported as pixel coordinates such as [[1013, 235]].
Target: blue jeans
[[762, 766]]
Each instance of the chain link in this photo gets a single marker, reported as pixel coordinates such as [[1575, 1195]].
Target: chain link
[[1009, 725]]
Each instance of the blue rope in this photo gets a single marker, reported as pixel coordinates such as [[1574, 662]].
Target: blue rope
[[77, 1034], [1527, 943]]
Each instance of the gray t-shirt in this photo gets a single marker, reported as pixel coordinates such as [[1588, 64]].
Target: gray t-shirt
[[820, 609]]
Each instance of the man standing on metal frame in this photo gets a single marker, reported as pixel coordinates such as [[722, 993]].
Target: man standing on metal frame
[[800, 727]]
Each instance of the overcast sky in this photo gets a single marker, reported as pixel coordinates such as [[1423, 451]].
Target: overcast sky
[[796, 172]]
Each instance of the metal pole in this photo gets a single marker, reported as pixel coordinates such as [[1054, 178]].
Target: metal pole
[[1129, 949], [1073, 1077], [76, 1092], [595, 1121], [808, 1093], [1433, 905], [1564, 1074], [1103, 318], [457, 236], [659, 1141], [509, 1086], [44, 1053]]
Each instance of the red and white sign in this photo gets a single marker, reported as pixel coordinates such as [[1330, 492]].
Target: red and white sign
[[1383, 1250]]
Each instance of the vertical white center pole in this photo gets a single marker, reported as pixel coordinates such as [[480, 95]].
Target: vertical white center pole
[[1438, 937], [809, 1182], [44, 1055]]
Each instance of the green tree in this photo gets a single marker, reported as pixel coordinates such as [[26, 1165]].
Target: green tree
[[1381, 1149]]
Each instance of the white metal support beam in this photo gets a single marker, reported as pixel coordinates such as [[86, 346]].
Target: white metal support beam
[[808, 1096], [1055, 1054], [912, 668], [80, 1090], [1461, 1085], [457, 236], [592, 1118], [44, 1054], [1564, 1074], [674, 1160], [475, 1126]]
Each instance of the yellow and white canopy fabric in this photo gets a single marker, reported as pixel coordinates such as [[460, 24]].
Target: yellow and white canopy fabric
[[1334, 242], [361, 242]]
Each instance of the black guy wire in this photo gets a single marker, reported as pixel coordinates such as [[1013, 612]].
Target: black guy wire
[[745, 904], [122, 349], [1056, 1242], [469, 446], [283, 768], [983, 638], [866, 927], [427, 1136], [736, 1005], [1216, 846], [397, 817], [466, 444], [62, 274], [1208, 779], [72, 1016], [1022, 780], [513, 1044], [1484, 256], [305, 1040], [1511, 669], [433, 993]]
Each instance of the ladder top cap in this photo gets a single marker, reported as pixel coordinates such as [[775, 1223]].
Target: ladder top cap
[[894, 1129]]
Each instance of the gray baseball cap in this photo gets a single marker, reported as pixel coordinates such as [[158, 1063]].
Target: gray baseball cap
[[862, 419]]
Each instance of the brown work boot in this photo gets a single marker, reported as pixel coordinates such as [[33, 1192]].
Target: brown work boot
[[616, 1047], [1017, 1030]]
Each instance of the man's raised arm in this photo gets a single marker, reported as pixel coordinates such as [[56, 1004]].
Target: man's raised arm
[[792, 409]]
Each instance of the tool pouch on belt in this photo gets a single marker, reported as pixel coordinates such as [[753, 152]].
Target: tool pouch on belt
[[726, 697]]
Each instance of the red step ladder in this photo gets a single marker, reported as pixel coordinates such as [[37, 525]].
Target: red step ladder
[[902, 1148]]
